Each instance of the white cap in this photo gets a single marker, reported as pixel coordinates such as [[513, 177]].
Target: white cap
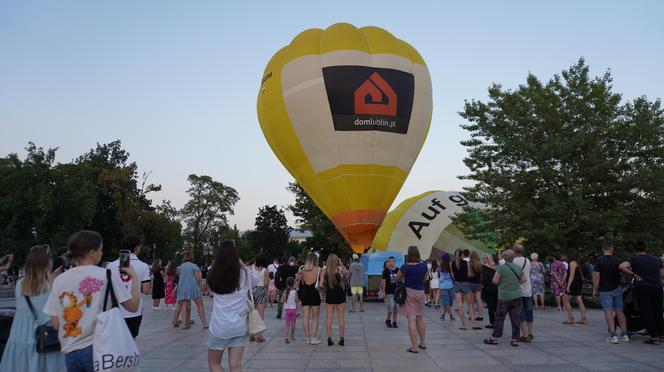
[[355, 257], [534, 256]]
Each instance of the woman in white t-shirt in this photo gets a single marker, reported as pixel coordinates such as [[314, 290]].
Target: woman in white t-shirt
[[229, 281], [77, 297]]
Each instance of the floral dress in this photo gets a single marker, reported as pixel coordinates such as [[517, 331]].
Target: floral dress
[[558, 273], [170, 290], [537, 279]]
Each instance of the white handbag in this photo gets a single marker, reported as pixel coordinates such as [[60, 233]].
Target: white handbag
[[113, 347], [256, 324]]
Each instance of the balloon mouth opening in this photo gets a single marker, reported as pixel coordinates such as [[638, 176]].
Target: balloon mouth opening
[[359, 227]]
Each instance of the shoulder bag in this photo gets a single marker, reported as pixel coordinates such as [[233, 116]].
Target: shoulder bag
[[400, 290], [255, 324], [46, 337]]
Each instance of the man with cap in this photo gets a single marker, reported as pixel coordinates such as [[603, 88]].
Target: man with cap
[[356, 271]]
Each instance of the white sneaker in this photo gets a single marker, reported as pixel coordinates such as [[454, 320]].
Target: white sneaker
[[624, 338], [612, 340], [314, 341], [308, 342]]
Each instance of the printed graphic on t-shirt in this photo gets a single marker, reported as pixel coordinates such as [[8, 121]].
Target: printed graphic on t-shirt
[[72, 312]]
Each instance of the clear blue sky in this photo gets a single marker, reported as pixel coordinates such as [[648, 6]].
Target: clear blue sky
[[177, 81]]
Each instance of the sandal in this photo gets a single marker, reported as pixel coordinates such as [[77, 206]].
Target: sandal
[[422, 347], [187, 326], [463, 328], [410, 350], [260, 339], [176, 325], [490, 341], [569, 321], [582, 321], [524, 339], [477, 328], [206, 326], [514, 343]]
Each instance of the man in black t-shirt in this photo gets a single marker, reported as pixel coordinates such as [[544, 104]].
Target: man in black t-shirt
[[647, 272], [387, 287], [284, 271], [606, 281]]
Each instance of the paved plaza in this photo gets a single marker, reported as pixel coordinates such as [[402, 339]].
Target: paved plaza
[[370, 346]]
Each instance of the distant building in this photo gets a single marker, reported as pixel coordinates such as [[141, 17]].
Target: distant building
[[299, 236]]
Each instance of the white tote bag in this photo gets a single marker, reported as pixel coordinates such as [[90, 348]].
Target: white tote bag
[[113, 347]]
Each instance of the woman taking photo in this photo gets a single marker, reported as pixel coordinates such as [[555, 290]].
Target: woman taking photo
[[414, 272], [335, 297], [84, 287], [157, 284], [310, 297], [229, 281], [189, 288], [462, 289], [574, 285], [20, 353]]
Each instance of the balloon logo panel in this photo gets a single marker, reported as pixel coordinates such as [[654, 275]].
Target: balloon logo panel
[[346, 110]]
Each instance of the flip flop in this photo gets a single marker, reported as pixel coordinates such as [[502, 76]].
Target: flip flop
[[410, 350], [463, 329], [490, 341], [477, 328], [514, 343], [422, 347]]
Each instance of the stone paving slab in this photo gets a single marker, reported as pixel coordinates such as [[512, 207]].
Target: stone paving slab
[[370, 346]]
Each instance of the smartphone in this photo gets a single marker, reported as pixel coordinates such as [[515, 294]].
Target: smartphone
[[125, 256]]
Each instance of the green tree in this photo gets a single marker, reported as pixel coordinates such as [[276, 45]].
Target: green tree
[[271, 234], [564, 163], [209, 203], [326, 238]]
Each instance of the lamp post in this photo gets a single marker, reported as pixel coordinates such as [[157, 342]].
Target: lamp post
[[34, 234]]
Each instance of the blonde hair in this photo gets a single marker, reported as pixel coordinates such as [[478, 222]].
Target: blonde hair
[[37, 272], [311, 262], [332, 266], [475, 263]]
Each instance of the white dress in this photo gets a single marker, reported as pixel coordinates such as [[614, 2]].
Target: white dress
[[435, 284]]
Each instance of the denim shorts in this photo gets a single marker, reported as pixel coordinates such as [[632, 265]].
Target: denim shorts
[[612, 300], [527, 309], [462, 287], [79, 360], [447, 297], [215, 343], [475, 287]]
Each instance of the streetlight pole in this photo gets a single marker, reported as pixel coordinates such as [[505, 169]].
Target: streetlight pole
[[34, 234]]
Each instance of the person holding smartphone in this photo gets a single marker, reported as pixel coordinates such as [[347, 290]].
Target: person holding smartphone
[[130, 247]]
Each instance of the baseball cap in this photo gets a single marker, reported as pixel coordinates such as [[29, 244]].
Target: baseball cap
[[355, 257]]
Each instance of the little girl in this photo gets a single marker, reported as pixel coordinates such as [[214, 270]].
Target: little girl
[[171, 274], [271, 291], [290, 301]]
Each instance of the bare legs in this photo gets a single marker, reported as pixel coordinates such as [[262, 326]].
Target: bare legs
[[458, 299], [155, 302], [415, 329], [234, 359], [201, 311], [559, 307], [470, 299], [310, 316], [567, 301], [329, 315], [176, 314]]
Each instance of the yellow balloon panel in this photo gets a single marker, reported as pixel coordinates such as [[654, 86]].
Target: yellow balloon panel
[[347, 110]]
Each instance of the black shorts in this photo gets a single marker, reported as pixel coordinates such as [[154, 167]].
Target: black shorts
[[309, 295], [134, 324], [335, 296]]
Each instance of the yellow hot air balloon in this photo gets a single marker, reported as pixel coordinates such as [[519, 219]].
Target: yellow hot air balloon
[[346, 110], [425, 222]]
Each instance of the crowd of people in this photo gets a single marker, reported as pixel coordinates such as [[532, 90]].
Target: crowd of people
[[71, 297]]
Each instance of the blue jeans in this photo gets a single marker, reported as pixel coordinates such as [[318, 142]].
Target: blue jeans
[[79, 360], [527, 309]]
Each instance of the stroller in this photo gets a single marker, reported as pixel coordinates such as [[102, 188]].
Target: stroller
[[631, 310]]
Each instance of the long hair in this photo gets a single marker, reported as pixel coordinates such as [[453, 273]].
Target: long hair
[[457, 258], [37, 272], [475, 263], [445, 265], [224, 276], [187, 257], [332, 266], [172, 269], [311, 262], [434, 265], [156, 266], [290, 282], [413, 254]]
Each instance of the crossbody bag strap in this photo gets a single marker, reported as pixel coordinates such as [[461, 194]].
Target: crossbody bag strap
[[251, 292], [32, 308], [517, 275], [109, 290]]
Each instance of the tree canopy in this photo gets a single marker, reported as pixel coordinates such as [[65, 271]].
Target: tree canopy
[[565, 163], [271, 234]]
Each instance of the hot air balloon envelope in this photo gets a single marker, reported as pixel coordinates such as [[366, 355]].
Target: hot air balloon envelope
[[346, 110]]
